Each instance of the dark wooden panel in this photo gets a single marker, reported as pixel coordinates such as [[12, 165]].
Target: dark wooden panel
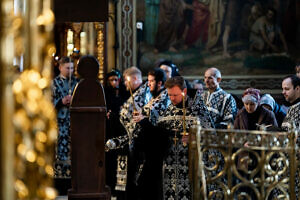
[[88, 115], [81, 11]]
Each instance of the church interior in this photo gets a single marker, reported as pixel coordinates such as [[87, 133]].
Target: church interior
[[103, 39]]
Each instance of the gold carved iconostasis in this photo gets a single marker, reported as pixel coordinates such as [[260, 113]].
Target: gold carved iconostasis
[[205, 33], [28, 127], [30, 43], [78, 39]]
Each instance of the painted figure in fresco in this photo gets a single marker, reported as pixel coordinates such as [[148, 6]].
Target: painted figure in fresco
[[151, 19], [256, 12], [198, 31], [297, 69], [266, 35], [171, 17], [233, 12], [62, 90], [217, 10]]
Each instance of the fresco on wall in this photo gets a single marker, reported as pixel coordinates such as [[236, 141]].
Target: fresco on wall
[[241, 37]]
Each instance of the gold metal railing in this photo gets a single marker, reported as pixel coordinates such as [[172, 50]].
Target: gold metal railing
[[238, 164]]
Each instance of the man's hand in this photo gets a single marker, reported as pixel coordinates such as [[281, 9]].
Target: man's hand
[[137, 116], [109, 145], [67, 100], [108, 114], [185, 139]]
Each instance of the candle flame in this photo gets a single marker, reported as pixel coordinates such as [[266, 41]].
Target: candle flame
[[128, 78], [183, 94]]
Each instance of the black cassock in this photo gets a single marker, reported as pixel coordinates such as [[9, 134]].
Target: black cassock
[[167, 172], [61, 87]]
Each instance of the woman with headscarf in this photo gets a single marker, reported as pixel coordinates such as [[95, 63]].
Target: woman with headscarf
[[252, 115], [115, 95], [268, 102]]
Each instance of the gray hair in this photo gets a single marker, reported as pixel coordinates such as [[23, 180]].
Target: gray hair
[[133, 71], [216, 71]]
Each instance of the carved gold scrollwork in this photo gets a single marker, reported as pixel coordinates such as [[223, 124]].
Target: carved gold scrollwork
[[241, 164], [245, 191], [247, 163], [77, 28], [216, 165], [220, 191], [276, 163], [100, 28]]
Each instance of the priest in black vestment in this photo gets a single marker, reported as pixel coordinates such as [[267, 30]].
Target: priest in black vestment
[[168, 156]]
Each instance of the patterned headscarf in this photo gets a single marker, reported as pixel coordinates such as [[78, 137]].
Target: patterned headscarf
[[252, 95]]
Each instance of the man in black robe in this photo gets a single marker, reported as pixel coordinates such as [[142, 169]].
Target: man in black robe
[[62, 89], [167, 153], [115, 95]]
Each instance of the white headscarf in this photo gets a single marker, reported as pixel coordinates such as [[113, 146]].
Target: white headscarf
[[267, 100]]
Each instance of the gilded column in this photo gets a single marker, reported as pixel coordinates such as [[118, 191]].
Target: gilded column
[[28, 117], [100, 28], [111, 40], [10, 30]]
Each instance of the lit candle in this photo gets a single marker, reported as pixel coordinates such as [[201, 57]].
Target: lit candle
[[129, 85], [184, 113], [70, 81]]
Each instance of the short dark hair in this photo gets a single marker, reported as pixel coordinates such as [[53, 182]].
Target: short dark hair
[[297, 66], [175, 70], [295, 80], [175, 81], [159, 75], [114, 72], [164, 62], [65, 59]]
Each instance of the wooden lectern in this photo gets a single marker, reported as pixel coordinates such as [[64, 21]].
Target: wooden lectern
[[88, 113]]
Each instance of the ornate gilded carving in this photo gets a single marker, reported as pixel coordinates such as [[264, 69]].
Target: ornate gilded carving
[[29, 126], [127, 33], [240, 164], [77, 27], [100, 28]]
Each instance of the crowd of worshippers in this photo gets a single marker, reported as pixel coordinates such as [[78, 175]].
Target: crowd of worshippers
[[147, 150], [152, 123]]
